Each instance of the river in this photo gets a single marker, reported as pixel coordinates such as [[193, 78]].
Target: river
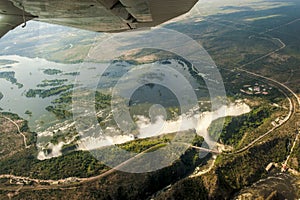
[[30, 73]]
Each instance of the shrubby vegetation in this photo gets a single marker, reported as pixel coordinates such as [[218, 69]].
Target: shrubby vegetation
[[65, 98], [10, 76], [198, 141], [24, 127], [187, 189], [231, 173], [119, 185], [59, 111], [295, 157], [72, 73], [102, 100], [234, 128], [31, 93], [52, 71], [75, 164], [243, 169], [12, 116], [81, 163], [52, 83], [61, 107], [28, 112], [141, 145], [60, 136], [7, 62]]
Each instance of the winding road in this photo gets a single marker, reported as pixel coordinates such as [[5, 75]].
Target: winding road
[[84, 180], [18, 129], [75, 179], [292, 109], [279, 85], [283, 45], [283, 88]]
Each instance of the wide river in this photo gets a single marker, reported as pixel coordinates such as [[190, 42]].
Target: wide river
[[30, 73]]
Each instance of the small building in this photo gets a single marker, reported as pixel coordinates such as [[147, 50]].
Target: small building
[[256, 89], [284, 168]]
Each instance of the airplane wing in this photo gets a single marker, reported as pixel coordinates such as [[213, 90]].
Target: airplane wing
[[94, 15], [11, 16]]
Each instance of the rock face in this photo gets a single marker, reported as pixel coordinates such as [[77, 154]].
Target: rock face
[[1, 95], [276, 186]]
